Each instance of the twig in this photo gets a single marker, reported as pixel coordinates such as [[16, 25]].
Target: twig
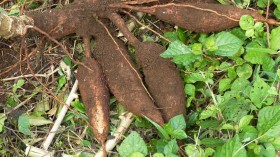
[[111, 143], [30, 75]]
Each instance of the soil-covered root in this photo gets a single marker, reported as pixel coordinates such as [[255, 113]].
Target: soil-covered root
[[198, 17], [96, 97], [162, 78], [123, 77]]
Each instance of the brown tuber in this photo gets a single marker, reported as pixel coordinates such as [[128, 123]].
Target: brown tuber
[[96, 97], [198, 17], [123, 77], [161, 75]]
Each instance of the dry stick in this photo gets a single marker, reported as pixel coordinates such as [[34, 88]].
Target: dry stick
[[30, 75], [126, 120], [87, 46], [120, 51]]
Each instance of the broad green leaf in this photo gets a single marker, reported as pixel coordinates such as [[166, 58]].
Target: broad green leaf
[[275, 39], [250, 33], [194, 77], [176, 48], [268, 150], [246, 22], [133, 143], [172, 36], [23, 125], [171, 147], [212, 142], [240, 85], [211, 111], [179, 134], [160, 144], [178, 122], [256, 57], [245, 121], [276, 143], [210, 44], [227, 127], [158, 155], [231, 148], [192, 150], [228, 44], [209, 124], [248, 133], [259, 94], [38, 121], [269, 122], [231, 73], [224, 66], [189, 89], [277, 13], [3, 117], [197, 48], [261, 50], [137, 154], [244, 71], [224, 84]]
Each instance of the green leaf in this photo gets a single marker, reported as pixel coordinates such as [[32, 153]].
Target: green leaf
[[19, 84], [228, 44], [275, 39], [3, 117], [232, 147], [269, 122], [277, 13], [179, 134], [158, 155], [197, 48], [23, 125], [246, 22], [224, 84], [171, 147], [248, 133], [261, 50], [245, 121], [212, 142], [176, 48], [244, 71], [38, 121], [133, 143], [190, 89], [172, 36], [178, 122], [180, 53], [194, 77], [159, 128], [137, 154], [211, 111], [192, 150], [259, 93]]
